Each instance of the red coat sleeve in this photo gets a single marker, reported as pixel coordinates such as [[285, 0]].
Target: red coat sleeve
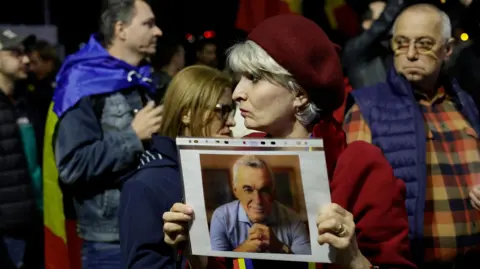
[[364, 184]]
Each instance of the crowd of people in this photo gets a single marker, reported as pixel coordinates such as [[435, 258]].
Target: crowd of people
[[93, 140]]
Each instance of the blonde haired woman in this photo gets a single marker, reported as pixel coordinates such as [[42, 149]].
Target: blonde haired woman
[[198, 102]]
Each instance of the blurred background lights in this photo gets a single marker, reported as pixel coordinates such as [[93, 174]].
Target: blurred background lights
[[209, 34], [190, 38]]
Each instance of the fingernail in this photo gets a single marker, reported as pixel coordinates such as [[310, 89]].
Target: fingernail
[[189, 210]]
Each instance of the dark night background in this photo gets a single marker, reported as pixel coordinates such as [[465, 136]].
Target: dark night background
[[76, 20]]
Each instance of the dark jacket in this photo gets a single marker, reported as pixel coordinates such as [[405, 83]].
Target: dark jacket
[[161, 80], [92, 151], [38, 96], [148, 192], [398, 128], [366, 58], [17, 202], [466, 68]]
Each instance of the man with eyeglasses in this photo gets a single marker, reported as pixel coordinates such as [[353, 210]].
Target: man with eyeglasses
[[20, 219], [428, 129]]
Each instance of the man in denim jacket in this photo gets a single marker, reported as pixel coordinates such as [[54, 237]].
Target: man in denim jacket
[[99, 133]]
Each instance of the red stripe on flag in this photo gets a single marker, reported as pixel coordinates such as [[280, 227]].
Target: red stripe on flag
[[56, 252], [347, 20], [253, 12], [60, 256], [235, 264]]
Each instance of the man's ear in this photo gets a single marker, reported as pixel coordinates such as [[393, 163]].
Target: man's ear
[[120, 30], [235, 192], [186, 118], [449, 47]]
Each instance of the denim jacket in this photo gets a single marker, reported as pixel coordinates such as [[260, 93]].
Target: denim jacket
[[92, 150]]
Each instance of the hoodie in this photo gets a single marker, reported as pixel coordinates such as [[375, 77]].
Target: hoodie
[[146, 194]]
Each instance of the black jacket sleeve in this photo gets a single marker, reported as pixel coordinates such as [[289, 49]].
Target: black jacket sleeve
[[361, 46], [141, 224]]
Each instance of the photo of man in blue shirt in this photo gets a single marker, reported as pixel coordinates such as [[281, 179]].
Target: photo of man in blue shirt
[[256, 222]]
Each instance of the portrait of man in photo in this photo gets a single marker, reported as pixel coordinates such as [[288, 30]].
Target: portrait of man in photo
[[256, 221]]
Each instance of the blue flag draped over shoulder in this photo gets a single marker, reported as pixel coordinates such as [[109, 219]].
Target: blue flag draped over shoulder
[[91, 71]]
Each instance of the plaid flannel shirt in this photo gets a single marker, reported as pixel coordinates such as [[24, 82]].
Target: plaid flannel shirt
[[453, 165]]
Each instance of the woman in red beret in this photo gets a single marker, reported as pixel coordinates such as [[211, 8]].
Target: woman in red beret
[[291, 83]]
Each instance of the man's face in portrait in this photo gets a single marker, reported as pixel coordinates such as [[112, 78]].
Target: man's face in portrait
[[255, 191]]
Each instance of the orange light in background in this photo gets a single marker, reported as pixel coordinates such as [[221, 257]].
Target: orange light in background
[[209, 34], [464, 37], [443, 1]]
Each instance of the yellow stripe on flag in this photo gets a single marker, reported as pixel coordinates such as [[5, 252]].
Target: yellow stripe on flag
[[312, 265], [330, 6], [295, 6], [54, 218], [241, 264]]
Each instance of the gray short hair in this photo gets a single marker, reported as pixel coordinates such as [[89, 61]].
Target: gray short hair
[[115, 11], [445, 20], [249, 58], [250, 161]]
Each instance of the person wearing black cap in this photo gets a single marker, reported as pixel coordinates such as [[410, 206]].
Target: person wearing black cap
[[291, 83], [20, 221]]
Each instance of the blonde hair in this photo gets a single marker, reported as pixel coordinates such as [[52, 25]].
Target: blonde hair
[[249, 58], [195, 90]]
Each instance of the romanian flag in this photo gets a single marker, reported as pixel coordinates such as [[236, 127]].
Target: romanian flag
[[250, 264], [341, 17], [242, 264], [90, 71], [253, 12], [58, 230]]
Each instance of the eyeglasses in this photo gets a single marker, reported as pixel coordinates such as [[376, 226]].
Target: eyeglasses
[[225, 111], [422, 44]]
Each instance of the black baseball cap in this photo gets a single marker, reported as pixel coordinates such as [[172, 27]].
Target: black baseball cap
[[11, 40]]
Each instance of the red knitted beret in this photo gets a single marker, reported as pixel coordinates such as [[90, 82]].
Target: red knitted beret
[[302, 47]]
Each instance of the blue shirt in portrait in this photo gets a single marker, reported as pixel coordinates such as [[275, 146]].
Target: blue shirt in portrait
[[230, 224]]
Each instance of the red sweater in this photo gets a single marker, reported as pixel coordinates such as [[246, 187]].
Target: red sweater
[[362, 182]]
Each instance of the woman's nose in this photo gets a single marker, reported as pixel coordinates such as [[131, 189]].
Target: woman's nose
[[240, 91]]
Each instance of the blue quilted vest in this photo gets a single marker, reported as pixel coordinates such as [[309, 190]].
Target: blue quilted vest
[[398, 128]]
